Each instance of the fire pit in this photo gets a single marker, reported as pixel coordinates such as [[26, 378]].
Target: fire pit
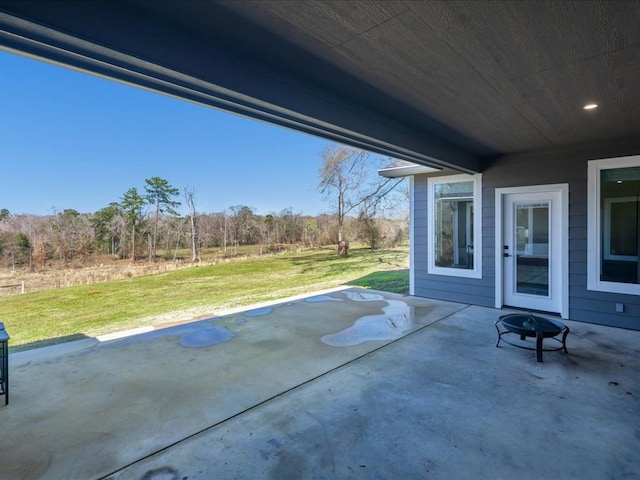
[[527, 325]]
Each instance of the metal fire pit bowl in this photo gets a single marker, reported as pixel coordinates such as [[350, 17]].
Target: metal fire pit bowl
[[527, 325]]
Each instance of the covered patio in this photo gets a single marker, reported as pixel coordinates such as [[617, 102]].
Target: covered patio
[[491, 88], [344, 384]]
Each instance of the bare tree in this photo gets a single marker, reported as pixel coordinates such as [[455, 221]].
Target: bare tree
[[208, 233], [213, 230], [223, 227], [341, 174], [310, 234], [174, 232], [349, 180], [189, 199]]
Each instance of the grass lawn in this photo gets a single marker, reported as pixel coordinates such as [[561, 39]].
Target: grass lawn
[[54, 316], [396, 281]]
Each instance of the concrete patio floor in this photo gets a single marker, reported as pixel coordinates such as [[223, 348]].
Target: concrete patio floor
[[346, 384]]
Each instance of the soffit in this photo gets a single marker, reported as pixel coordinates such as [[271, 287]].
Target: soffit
[[511, 75]]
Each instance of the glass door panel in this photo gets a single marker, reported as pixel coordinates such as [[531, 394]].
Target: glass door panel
[[532, 248]]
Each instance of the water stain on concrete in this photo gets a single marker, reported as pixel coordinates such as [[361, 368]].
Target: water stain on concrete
[[162, 473], [206, 337], [322, 298], [289, 465], [390, 325], [258, 312]]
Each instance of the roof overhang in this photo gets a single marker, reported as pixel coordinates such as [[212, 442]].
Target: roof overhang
[[440, 84], [401, 168]]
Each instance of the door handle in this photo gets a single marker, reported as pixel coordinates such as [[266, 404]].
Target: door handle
[[505, 254]]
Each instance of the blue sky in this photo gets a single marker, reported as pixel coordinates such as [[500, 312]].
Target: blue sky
[[71, 140]]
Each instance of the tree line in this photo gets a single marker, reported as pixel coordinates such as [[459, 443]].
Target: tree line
[[70, 237], [143, 222]]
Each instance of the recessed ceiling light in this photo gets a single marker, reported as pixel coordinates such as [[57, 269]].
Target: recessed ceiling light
[[590, 106]]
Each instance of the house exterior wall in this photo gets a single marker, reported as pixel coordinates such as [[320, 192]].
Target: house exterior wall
[[540, 168]]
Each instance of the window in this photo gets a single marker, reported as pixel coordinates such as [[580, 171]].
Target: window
[[614, 225], [454, 226]]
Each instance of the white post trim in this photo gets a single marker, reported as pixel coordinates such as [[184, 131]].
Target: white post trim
[[412, 229]]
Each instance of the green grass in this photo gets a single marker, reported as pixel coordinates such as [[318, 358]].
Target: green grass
[[54, 316], [396, 281]]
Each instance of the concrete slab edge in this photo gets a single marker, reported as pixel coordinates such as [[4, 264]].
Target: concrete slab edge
[[38, 354]]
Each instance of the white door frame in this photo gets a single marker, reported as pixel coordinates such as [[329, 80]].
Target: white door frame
[[563, 188]]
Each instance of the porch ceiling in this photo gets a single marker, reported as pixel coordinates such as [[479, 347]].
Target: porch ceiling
[[440, 83]]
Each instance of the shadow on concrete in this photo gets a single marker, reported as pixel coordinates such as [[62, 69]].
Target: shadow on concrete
[[395, 281], [47, 342]]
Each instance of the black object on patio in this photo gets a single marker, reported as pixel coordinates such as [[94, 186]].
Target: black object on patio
[[4, 363], [528, 325]]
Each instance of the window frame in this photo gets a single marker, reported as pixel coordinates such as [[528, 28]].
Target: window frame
[[432, 268], [595, 219]]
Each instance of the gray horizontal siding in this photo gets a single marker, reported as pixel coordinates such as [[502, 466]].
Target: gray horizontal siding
[[450, 296], [467, 291], [592, 313], [442, 287], [548, 167]]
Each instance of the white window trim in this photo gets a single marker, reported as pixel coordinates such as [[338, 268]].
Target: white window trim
[[432, 269], [594, 222]]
